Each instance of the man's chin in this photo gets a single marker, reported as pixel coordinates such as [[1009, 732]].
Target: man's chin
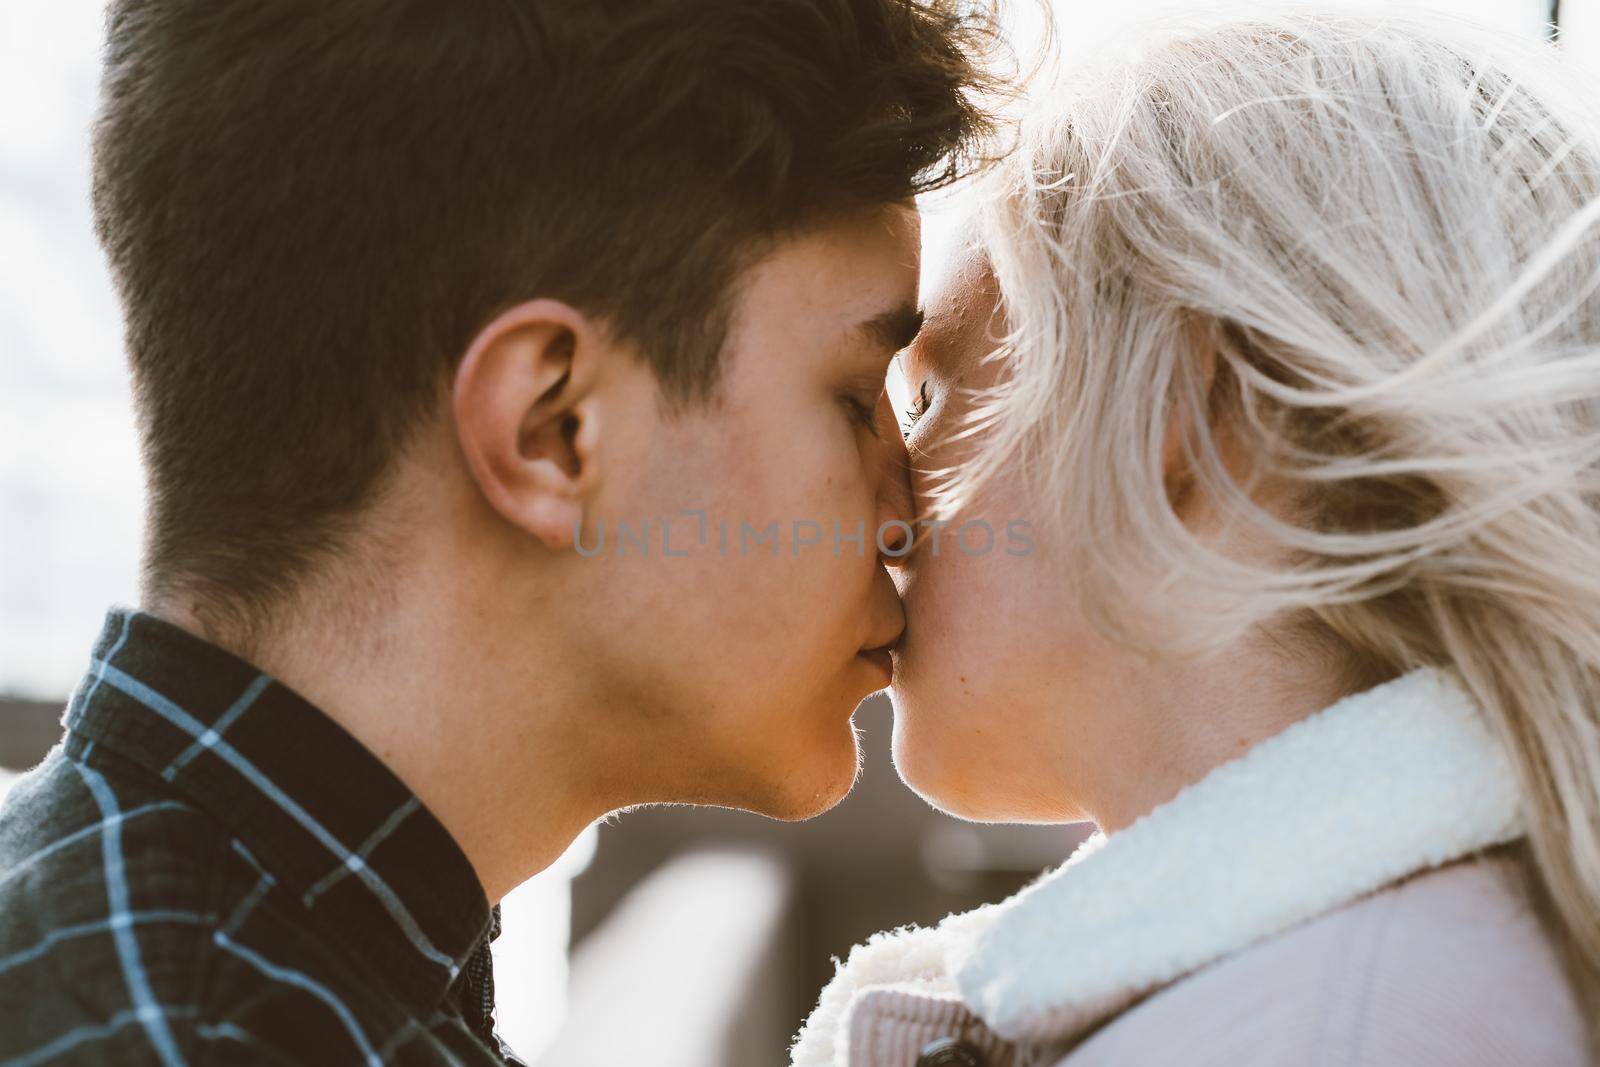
[[803, 790], [785, 775], [801, 809]]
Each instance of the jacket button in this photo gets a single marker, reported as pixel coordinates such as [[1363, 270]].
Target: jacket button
[[948, 1052]]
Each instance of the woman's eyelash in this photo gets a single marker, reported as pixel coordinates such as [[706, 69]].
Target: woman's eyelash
[[919, 406]]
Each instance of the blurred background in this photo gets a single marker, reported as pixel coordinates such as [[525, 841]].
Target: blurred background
[[590, 967]]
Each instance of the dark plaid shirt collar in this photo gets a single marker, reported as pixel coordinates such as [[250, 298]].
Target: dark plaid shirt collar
[[322, 815]]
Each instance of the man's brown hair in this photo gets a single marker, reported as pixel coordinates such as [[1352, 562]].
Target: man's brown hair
[[310, 207]]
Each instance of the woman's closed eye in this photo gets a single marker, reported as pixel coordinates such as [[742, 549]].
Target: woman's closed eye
[[918, 408]]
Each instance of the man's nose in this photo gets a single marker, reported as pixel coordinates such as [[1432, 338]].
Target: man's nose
[[896, 506]]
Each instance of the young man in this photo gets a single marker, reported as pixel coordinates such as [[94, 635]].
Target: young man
[[510, 378]]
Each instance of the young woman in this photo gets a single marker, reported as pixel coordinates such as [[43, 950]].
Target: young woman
[[1282, 337]]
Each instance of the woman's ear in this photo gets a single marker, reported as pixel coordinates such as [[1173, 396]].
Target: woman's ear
[[1190, 407], [524, 417]]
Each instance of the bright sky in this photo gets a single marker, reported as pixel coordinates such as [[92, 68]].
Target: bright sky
[[70, 496]]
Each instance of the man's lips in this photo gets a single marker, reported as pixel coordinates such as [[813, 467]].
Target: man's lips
[[880, 658], [888, 637], [883, 655]]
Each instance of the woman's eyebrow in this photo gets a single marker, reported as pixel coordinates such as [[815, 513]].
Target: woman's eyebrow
[[893, 329]]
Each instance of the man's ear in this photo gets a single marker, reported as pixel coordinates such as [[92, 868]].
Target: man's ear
[[1188, 412], [523, 414]]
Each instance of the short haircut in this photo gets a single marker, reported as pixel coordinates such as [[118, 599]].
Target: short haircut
[[310, 207]]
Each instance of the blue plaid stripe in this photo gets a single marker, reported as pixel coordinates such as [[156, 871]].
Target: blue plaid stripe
[[83, 1035], [85, 832], [213, 741], [98, 926], [377, 838], [211, 735], [310, 985], [94, 677], [149, 1013]]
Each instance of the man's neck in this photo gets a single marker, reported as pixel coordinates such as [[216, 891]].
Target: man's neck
[[470, 739]]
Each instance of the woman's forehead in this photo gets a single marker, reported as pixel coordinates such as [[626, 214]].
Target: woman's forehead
[[959, 302]]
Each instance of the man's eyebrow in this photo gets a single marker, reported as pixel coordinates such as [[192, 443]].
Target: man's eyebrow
[[894, 329]]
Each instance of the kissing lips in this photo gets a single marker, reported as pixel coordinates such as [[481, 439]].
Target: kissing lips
[[887, 637], [881, 658]]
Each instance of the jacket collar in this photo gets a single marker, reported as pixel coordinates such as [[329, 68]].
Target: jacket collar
[[1395, 779]]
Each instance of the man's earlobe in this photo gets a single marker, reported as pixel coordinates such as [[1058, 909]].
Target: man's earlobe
[[522, 415]]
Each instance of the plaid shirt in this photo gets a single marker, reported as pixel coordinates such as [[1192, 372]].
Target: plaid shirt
[[210, 870]]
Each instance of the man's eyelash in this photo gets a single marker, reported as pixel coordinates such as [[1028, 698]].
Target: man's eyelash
[[865, 414]]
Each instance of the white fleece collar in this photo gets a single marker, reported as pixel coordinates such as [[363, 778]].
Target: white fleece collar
[[1398, 778]]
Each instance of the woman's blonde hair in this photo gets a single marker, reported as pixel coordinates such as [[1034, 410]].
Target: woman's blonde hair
[[1388, 232]]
